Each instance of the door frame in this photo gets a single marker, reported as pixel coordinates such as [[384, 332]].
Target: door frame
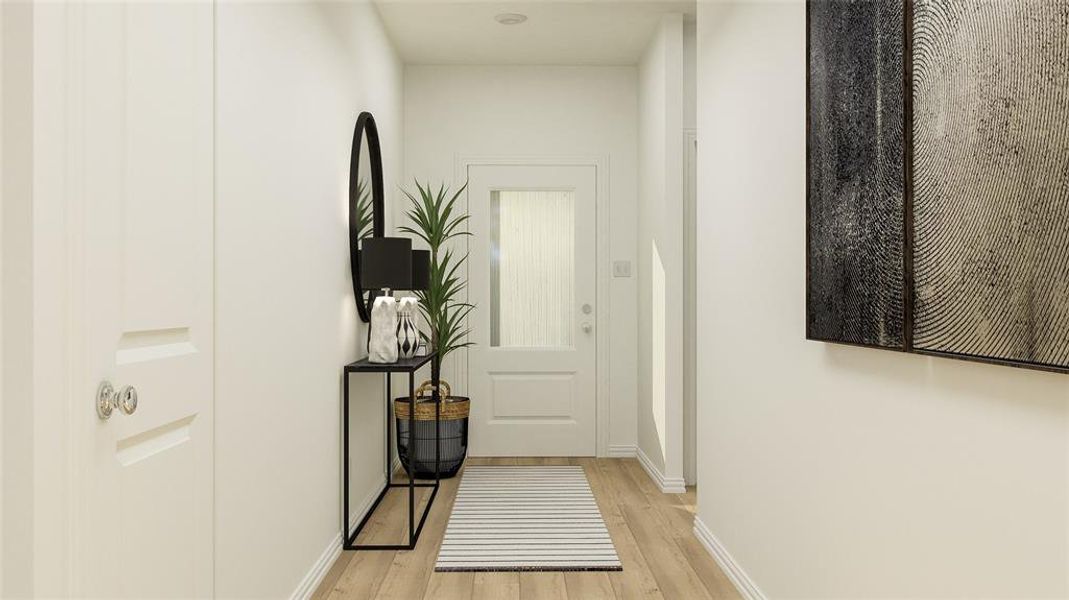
[[48, 264], [690, 306], [602, 268]]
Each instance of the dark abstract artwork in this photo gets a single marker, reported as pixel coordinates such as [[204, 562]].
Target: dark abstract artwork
[[965, 252], [990, 159], [855, 172]]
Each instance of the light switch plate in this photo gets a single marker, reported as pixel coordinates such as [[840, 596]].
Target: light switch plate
[[621, 268]]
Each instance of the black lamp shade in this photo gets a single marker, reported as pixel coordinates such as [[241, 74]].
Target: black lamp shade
[[386, 263], [421, 270]]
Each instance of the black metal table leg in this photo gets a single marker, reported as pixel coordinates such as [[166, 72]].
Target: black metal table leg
[[345, 463], [389, 433], [436, 381], [411, 461]]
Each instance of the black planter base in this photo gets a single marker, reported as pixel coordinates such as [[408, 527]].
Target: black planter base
[[419, 463]]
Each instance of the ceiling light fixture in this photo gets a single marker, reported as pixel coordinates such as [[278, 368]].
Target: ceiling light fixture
[[510, 18]]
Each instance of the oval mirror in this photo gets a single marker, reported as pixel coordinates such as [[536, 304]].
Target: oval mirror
[[365, 200]]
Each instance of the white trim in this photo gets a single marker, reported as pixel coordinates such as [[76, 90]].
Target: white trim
[[622, 451], [310, 582], [667, 485], [3, 365], [743, 583], [603, 269], [690, 306], [314, 577], [57, 284]]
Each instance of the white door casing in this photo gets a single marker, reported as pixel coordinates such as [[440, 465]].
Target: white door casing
[[534, 401], [690, 306], [140, 169]]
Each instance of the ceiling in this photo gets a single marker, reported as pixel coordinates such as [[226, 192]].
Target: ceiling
[[591, 32]]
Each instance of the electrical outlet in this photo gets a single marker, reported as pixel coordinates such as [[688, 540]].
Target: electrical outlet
[[621, 268]]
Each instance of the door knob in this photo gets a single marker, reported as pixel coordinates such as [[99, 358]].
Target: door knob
[[587, 309], [587, 327], [108, 400]]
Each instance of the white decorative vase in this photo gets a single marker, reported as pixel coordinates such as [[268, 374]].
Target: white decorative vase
[[382, 348], [407, 333]]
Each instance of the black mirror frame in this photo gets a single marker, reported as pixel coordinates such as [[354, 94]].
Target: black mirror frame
[[365, 129]]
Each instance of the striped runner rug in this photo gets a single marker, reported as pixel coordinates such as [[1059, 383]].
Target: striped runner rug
[[526, 519]]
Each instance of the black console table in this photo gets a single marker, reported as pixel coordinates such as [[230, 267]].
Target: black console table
[[410, 366]]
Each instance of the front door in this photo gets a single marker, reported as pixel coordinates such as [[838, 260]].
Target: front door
[[532, 278], [140, 157]]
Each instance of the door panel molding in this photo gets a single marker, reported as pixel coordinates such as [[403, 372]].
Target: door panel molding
[[603, 270]]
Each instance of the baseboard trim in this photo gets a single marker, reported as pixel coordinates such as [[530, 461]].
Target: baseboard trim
[[326, 560], [747, 587], [621, 451], [667, 485], [315, 575]]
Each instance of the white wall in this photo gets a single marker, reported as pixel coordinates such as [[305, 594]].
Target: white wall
[[839, 472], [2, 364], [535, 111], [291, 80], [16, 277], [660, 252]]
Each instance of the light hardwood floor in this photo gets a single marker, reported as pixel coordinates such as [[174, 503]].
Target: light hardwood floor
[[652, 533]]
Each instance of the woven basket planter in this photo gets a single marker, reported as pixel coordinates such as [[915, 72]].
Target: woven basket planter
[[418, 461]]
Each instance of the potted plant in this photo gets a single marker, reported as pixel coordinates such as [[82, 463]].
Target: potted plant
[[434, 218]]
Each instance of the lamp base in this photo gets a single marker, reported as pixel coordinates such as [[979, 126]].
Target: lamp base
[[382, 347]]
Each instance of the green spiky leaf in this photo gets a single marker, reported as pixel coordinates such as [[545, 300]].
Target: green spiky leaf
[[435, 218]]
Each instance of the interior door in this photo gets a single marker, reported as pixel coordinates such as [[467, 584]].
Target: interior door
[[140, 97], [532, 278]]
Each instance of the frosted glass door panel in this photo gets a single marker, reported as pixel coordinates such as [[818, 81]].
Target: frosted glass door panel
[[532, 269]]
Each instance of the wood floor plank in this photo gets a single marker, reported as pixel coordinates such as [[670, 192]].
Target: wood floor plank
[[674, 575], [555, 461], [667, 508], [635, 580], [588, 585], [504, 461], [330, 580], [675, 578], [715, 581], [643, 483], [363, 576], [410, 570], [536, 585], [496, 586], [450, 586], [365, 570], [622, 489]]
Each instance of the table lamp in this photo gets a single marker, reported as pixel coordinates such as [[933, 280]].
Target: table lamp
[[386, 265]]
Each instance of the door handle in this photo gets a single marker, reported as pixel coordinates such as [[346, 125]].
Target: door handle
[[108, 400], [587, 327]]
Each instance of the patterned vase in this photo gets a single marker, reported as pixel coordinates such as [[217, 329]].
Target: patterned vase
[[407, 333]]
